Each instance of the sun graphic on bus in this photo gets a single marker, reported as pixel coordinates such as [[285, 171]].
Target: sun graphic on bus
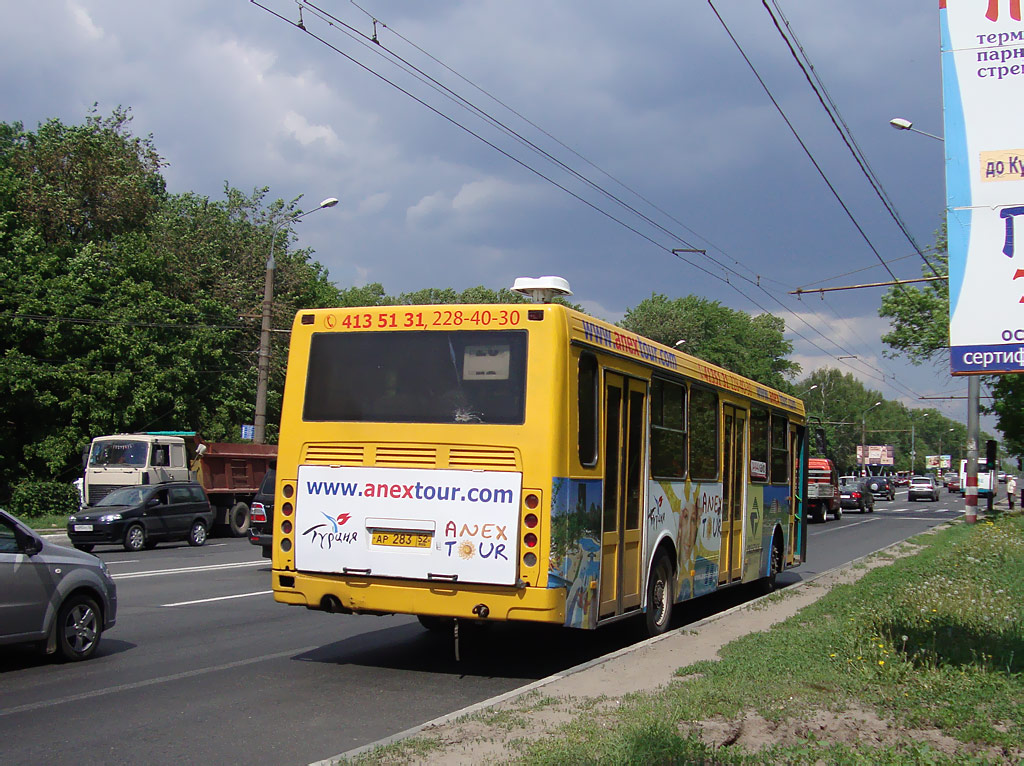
[[467, 550]]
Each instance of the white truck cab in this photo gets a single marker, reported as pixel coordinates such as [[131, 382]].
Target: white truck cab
[[122, 460]]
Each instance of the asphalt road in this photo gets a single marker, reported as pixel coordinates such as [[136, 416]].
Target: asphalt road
[[203, 666]]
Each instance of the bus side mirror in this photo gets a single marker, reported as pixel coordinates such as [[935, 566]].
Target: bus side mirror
[[85, 457]]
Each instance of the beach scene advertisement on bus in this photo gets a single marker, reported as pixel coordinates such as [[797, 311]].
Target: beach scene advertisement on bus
[[983, 105], [407, 522], [690, 513]]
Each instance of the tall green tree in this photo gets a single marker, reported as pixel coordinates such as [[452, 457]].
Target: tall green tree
[[753, 346]]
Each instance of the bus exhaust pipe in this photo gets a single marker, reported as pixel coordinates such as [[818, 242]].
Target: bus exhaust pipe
[[333, 605]]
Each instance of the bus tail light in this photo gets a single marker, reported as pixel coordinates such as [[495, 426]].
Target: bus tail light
[[531, 501], [530, 540], [531, 520]]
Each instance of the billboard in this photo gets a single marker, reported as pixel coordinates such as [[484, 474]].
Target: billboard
[[983, 106], [876, 455], [938, 461]]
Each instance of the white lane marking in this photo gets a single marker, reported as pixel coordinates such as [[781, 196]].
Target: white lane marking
[[89, 695], [126, 561], [845, 526], [219, 598], [185, 570]]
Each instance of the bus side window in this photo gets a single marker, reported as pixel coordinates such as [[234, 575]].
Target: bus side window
[[587, 406], [759, 444], [703, 429], [668, 429], [780, 449]]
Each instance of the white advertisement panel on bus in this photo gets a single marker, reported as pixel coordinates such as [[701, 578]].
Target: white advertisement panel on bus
[[441, 525], [983, 94]]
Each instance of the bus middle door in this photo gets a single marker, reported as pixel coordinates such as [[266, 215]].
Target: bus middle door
[[625, 428], [730, 564]]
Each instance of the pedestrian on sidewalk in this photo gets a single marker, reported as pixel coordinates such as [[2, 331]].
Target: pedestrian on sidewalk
[[1011, 490]]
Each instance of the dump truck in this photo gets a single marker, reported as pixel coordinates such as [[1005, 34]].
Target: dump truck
[[822, 489], [230, 473]]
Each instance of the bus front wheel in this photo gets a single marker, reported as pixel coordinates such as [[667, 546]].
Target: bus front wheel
[[660, 592]]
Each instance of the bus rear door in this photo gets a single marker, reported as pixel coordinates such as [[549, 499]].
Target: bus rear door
[[625, 428]]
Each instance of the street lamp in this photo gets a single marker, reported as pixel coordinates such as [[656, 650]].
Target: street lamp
[[940, 448], [808, 390], [263, 363], [864, 438], [901, 124], [913, 452], [973, 394]]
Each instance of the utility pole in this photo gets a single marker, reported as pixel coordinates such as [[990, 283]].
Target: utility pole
[[971, 490]]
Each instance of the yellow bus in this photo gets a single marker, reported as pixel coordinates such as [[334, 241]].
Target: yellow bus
[[524, 462]]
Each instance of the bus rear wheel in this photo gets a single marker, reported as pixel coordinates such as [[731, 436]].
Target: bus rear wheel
[[660, 595]]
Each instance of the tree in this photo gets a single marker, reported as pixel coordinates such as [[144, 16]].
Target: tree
[[753, 346], [127, 308]]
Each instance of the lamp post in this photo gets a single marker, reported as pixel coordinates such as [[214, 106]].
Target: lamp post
[[940, 449], [973, 394], [901, 124], [263, 363], [913, 452], [808, 390], [863, 439]]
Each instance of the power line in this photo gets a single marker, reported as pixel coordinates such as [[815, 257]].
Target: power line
[[800, 141], [804, 62], [494, 122]]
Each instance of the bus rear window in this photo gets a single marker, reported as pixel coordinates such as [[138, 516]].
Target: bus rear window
[[417, 377]]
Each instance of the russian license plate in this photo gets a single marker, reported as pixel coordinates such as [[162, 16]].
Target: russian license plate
[[402, 539], [83, 527]]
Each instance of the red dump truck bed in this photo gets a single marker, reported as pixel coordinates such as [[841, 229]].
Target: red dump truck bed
[[233, 468]]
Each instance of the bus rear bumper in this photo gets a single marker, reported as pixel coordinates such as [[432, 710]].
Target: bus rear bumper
[[530, 604]]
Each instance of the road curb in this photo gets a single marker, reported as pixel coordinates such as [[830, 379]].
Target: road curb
[[597, 661]]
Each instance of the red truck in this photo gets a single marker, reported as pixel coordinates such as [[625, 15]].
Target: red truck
[[822, 489]]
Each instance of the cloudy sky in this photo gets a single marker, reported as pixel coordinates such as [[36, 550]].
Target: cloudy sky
[[481, 140]]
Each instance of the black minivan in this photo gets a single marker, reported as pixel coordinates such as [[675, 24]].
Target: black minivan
[[139, 517], [261, 513]]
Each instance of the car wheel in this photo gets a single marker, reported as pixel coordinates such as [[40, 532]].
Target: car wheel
[[659, 596], [197, 534], [839, 513], [78, 628], [135, 538], [86, 547]]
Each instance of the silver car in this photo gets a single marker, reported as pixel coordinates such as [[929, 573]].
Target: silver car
[[923, 487], [57, 597]]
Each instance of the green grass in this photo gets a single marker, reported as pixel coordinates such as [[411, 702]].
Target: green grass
[[931, 641], [48, 523]]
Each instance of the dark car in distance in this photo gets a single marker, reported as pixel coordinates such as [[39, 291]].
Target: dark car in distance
[[142, 516], [55, 597], [261, 513], [854, 494], [882, 487]]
